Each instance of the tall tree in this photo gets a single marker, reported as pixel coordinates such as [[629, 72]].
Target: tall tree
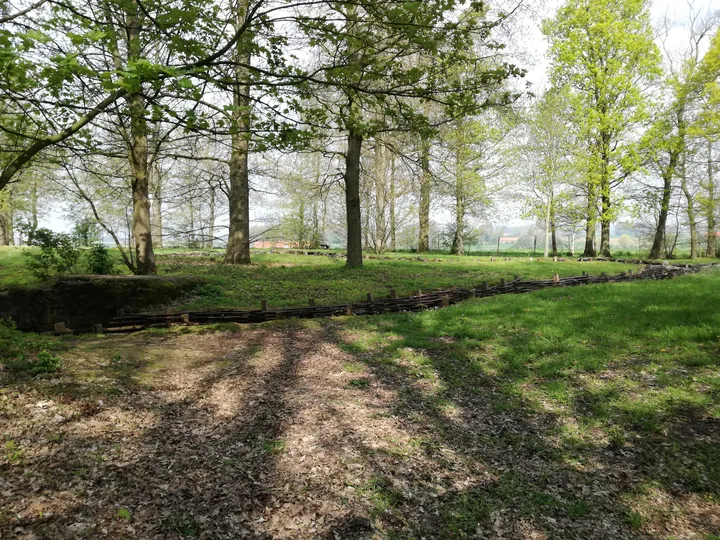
[[603, 50], [668, 139]]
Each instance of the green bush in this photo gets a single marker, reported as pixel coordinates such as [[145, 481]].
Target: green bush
[[17, 352], [99, 261], [58, 254]]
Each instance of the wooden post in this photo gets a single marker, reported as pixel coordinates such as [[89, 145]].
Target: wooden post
[[502, 282], [185, 318], [472, 293], [348, 310], [419, 293], [516, 277], [393, 294], [60, 328], [485, 285], [556, 278], [445, 301], [312, 302], [120, 313], [263, 305], [629, 272], [369, 297], [97, 329]]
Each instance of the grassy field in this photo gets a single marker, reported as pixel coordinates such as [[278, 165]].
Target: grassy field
[[588, 412], [291, 280]]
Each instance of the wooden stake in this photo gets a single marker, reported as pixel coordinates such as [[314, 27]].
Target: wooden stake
[[369, 297], [502, 282], [185, 317], [97, 329], [472, 293], [263, 305], [556, 278], [393, 294], [312, 302], [348, 310], [485, 285], [445, 301], [60, 328]]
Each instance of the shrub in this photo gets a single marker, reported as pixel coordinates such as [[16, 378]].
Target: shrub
[[58, 254], [99, 261], [17, 352]]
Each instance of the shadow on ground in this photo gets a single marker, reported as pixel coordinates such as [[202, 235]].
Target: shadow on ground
[[395, 427]]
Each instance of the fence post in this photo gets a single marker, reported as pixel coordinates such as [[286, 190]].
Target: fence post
[[263, 305], [445, 301], [393, 294]]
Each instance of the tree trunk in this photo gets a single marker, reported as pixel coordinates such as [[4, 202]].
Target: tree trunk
[[659, 240], [424, 237], [238, 245], [142, 234], [710, 251], [156, 208], [590, 226], [458, 247], [393, 224], [605, 215], [210, 240], [380, 198], [667, 175], [605, 223], [33, 210], [547, 226], [6, 218], [553, 234], [352, 200]]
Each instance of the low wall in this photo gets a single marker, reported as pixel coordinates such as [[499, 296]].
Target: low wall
[[83, 301]]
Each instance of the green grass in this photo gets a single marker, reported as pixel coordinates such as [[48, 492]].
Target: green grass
[[292, 280], [557, 395], [286, 280], [631, 367]]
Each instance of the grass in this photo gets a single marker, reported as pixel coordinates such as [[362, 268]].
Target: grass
[[286, 280], [630, 368], [561, 411]]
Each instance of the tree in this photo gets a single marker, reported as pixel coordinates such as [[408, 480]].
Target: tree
[[668, 138], [552, 147], [380, 86], [603, 50]]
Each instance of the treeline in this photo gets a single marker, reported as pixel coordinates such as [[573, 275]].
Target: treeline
[[212, 122]]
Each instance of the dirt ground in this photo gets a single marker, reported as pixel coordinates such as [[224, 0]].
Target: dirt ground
[[280, 432]]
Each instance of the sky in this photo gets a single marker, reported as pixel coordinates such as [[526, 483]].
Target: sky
[[535, 45]]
